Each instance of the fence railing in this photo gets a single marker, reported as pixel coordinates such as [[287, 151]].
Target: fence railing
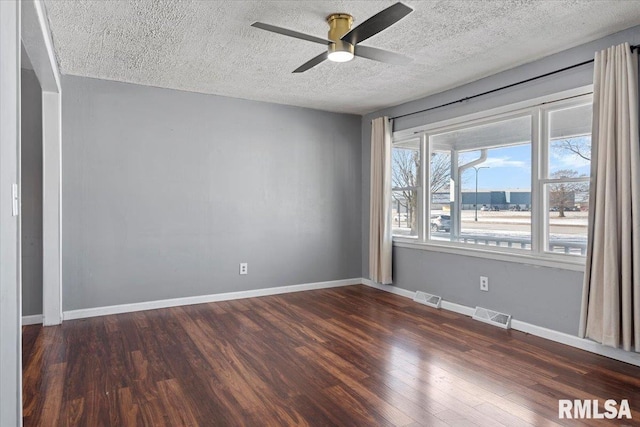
[[567, 246], [572, 246]]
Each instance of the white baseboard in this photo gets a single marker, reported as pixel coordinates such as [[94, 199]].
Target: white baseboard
[[389, 288], [174, 302], [457, 308], [577, 342], [33, 319], [539, 331]]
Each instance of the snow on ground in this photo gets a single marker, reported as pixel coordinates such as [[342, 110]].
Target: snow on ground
[[509, 217]]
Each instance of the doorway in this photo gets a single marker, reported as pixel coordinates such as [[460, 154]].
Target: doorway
[[31, 191]]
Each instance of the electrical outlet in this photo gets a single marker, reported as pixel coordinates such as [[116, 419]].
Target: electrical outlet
[[244, 268], [484, 283]]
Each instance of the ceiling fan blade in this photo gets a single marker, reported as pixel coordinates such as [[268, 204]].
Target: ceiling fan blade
[[312, 63], [381, 55], [377, 23], [290, 33]]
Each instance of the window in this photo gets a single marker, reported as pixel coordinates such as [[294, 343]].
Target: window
[[518, 181], [566, 178], [406, 187]]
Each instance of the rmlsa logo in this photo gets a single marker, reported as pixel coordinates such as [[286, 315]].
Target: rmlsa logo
[[591, 409]]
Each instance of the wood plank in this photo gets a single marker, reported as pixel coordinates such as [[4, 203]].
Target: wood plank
[[170, 394], [53, 394]]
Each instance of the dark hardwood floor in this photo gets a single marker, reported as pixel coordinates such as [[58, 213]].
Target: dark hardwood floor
[[342, 356]]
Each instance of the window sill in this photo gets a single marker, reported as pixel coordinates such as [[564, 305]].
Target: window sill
[[552, 261]]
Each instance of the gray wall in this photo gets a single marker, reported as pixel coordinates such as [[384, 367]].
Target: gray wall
[[542, 296], [31, 173], [166, 192]]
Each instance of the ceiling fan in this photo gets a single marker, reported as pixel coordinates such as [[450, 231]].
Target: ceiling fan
[[342, 40]]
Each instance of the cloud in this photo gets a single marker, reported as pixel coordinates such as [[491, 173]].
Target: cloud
[[505, 162]]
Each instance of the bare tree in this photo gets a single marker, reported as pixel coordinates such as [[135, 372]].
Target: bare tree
[[406, 166], [440, 171], [578, 146], [563, 194], [405, 177]]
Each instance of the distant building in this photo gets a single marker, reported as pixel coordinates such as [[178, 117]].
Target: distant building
[[502, 199]]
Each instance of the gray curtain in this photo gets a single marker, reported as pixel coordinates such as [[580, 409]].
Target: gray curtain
[[380, 241], [611, 293]]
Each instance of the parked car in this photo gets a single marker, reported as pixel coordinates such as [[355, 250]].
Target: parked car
[[515, 208], [400, 217], [494, 208], [441, 223], [484, 208]]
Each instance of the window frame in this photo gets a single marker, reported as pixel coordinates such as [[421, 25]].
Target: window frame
[[418, 188], [544, 175], [538, 109]]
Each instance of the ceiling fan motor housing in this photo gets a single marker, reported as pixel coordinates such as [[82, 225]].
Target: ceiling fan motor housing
[[339, 25]]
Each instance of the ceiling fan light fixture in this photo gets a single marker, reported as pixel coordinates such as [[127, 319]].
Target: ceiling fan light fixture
[[339, 25], [340, 55]]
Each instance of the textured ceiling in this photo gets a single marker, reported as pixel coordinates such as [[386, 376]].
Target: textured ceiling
[[209, 46]]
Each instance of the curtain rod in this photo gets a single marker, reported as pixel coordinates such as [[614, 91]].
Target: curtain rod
[[634, 47]]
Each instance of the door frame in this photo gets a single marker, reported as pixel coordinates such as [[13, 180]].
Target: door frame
[[37, 42], [10, 283]]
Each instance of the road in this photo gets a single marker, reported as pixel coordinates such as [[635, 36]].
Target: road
[[492, 226], [574, 223]]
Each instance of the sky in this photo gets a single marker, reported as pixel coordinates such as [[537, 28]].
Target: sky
[[509, 168]]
